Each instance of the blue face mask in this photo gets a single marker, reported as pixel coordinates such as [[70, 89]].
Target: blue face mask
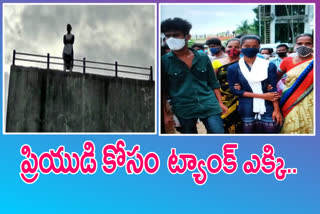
[[250, 52], [214, 50], [200, 51]]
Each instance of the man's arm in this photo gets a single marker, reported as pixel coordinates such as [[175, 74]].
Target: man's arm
[[282, 68], [218, 95], [215, 85]]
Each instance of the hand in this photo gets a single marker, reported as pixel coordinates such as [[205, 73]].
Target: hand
[[271, 96], [277, 116], [224, 108], [237, 86], [168, 120]]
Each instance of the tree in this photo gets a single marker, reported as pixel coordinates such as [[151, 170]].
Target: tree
[[256, 22], [246, 28]]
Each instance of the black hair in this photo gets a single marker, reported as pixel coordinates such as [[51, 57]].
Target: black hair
[[302, 35], [197, 45], [270, 50], [213, 41], [69, 27], [282, 45], [233, 39], [176, 24], [246, 37], [239, 36]]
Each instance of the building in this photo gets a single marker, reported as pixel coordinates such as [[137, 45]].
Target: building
[[282, 23]]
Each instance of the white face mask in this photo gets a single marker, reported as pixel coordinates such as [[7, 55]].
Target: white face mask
[[266, 56], [175, 44]]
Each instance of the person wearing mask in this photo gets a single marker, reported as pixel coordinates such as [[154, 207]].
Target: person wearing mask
[[248, 79], [187, 77], [206, 49], [297, 99], [198, 47], [282, 51], [231, 121], [215, 48], [266, 53]]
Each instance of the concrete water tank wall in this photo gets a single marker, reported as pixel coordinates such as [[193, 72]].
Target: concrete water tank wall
[[42, 100]]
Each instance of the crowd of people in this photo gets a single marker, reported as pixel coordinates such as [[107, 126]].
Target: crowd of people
[[237, 87]]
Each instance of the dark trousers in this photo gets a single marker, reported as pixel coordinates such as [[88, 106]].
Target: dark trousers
[[213, 124]]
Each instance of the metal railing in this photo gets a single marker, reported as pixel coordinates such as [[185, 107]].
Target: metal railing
[[84, 66]]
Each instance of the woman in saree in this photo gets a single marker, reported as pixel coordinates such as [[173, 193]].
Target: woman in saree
[[297, 97], [231, 121]]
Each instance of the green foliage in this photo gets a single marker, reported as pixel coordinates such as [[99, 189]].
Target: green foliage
[[252, 28], [191, 42], [256, 20], [256, 23], [246, 28]]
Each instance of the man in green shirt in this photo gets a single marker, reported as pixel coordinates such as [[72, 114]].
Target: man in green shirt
[[188, 80]]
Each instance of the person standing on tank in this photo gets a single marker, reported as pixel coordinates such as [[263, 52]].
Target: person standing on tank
[[67, 54]]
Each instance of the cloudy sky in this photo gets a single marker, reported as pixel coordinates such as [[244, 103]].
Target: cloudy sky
[[123, 33], [108, 33], [210, 19]]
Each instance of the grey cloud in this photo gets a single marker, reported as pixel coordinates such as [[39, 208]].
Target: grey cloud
[[102, 32], [108, 33]]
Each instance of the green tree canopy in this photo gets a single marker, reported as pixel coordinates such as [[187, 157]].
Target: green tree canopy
[[246, 28]]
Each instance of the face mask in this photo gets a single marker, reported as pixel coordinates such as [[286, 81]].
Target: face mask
[[200, 51], [266, 56], [214, 50], [250, 52], [282, 54], [304, 51], [233, 53], [175, 44]]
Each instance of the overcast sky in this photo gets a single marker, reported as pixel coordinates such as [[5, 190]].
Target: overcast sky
[[108, 33], [210, 19], [123, 33]]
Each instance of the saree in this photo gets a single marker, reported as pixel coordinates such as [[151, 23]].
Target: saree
[[297, 100], [231, 121]]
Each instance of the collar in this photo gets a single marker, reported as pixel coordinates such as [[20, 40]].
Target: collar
[[196, 57]]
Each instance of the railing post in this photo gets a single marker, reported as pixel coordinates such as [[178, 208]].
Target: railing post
[[84, 65], [151, 73], [116, 68], [14, 57], [48, 60]]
